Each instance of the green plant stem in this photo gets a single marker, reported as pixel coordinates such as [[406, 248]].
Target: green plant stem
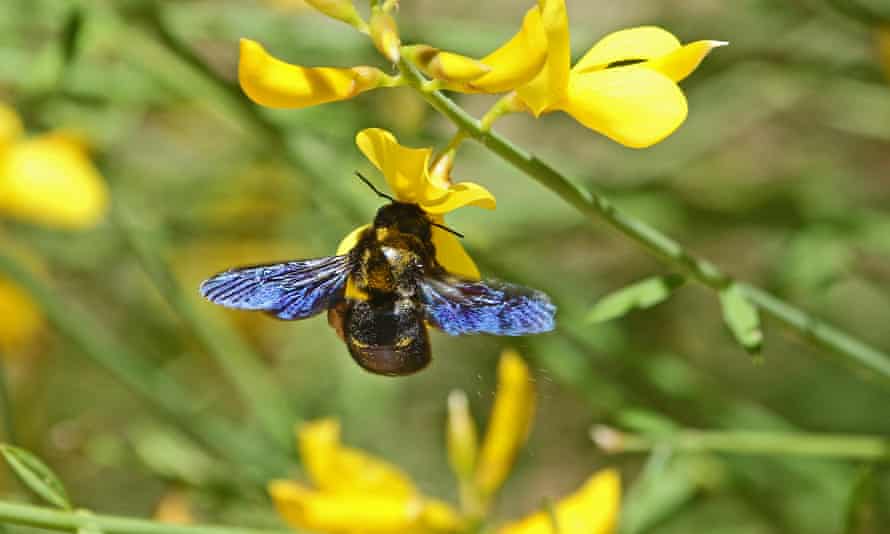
[[170, 398], [241, 365], [48, 518], [757, 443], [6, 409], [596, 207], [271, 137]]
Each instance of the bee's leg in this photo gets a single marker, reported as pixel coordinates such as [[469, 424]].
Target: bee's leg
[[337, 316]]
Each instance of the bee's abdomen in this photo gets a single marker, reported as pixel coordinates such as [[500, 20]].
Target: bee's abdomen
[[387, 336]]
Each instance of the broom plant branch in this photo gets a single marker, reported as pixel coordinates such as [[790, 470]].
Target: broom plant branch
[[598, 208], [83, 521], [745, 442]]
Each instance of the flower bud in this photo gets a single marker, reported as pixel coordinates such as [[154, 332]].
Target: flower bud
[[463, 444], [385, 35], [447, 66], [342, 10], [270, 82], [511, 418]]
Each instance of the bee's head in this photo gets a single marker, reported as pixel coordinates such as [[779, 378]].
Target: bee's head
[[405, 218]]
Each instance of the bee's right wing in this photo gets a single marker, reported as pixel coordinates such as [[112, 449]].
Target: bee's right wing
[[458, 306], [292, 290]]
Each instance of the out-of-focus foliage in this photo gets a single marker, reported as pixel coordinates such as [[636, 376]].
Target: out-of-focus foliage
[[779, 175]]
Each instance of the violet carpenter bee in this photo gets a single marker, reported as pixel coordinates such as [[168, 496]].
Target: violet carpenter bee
[[394, 265]]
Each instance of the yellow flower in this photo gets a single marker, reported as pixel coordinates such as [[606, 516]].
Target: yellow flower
[[408, 173], [47, 180], [20, 319], [512, 65], [355, 492], [625, 87], [270, 82], [592, 509], [636, 105], [511, 419]]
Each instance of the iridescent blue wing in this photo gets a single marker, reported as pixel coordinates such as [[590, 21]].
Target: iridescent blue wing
[[292, 290], [458, 306]]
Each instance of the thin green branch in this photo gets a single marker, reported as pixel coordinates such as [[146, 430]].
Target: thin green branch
[[596, 208], [6, 408], [749, 443], [170, 398], [47, 518], [241, 365]]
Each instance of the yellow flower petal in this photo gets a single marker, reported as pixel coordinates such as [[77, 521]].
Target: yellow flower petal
[[368, 513], [337, 469], [681, 62], [405, 169], [268, 81], [351, 240], [451, 255], [548, 88], [645, 42], [20, 318], [593, 509], [438, 516], [385, 34], [451, 67], [518, 60], [459, 195], [50, 180], [634, 106], [508, 428], [348, 243], [10, 125]]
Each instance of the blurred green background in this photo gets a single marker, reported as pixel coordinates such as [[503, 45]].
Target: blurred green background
[[780, 176]]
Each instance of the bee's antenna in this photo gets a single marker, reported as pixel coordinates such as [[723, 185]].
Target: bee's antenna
[[449, 230], [373, 188]]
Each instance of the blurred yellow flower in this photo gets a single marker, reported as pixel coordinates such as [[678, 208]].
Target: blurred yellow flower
[[414, 178], [20, 319], [48, 179], [592, 509], [355, 492], [511, 419]]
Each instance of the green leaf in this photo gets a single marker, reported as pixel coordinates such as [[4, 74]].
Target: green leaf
[[639, 296], [70, 38], [742, 318], [36, 475]]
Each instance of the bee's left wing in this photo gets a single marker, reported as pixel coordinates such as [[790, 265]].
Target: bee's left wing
[[292, 290], [458, 306]]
